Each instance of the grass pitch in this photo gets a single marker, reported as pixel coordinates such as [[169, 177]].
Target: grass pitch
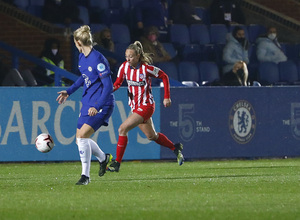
[[234, 189]]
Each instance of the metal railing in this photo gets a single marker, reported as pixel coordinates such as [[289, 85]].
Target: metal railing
[[58, 72]]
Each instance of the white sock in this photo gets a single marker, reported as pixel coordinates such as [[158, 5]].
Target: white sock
[[96, 151], [84, 149]]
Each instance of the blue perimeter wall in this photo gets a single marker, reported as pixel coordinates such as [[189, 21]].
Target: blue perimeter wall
[[216, 122]]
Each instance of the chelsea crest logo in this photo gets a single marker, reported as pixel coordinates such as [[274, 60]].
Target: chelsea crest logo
[[242, 121]]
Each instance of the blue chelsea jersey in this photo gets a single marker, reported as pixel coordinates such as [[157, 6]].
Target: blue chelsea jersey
[[96, 81]]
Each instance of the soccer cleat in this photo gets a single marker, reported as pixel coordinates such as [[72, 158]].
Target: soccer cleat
[[104, 164], [114, 167], [84, 180], [178, 153]]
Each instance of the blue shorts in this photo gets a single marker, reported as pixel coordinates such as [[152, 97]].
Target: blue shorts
[[98, 120]]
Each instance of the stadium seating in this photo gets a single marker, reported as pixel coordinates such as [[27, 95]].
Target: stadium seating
[[103, 4], [254, 31], [288, 72], [37, 2], [179, 35], [218, 33], [97, 27], [268, 73], [84, 15], [199, 34], [170, 49], [191, 52], [120, 33], [209, 72], [203, 13], [170, 69], [188, 71], [22, 4]]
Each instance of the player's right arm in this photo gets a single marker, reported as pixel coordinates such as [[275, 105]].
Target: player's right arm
[[120, 78], [64, 94]]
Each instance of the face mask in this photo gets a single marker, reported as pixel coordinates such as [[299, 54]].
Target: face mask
[[241, 40], [272, 36], [54, 51]]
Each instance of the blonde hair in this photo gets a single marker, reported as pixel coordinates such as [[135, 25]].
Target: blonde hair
[[84, 35], [138, 48]]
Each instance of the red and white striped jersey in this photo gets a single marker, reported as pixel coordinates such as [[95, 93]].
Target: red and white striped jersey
[[139, 83]]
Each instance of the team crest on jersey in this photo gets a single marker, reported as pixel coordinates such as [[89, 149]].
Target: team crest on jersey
[[101, 67], [242, 121], [141, 76], [90, 68]]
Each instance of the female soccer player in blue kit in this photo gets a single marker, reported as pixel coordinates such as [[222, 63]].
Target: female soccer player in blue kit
[[97, 101]]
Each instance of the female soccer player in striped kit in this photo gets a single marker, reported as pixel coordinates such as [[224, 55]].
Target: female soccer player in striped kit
[[97, 101], [138, 72]]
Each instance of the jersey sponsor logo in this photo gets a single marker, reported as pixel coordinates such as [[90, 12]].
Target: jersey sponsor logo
[[155, 71], [101, 67], [242, 121], [134, 83]]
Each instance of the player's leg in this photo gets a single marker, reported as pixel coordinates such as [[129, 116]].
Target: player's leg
[[131, 122], [148, 129], [85, 152]]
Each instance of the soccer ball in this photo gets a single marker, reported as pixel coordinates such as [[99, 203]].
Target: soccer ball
[[44, 143]]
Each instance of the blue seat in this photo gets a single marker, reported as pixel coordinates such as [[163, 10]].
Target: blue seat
[[102, 4], [170, 49], [218, 33], [120, 33], [268, 73], [199, 34], [179, 35], [188, 71], [97, 27], [120, 49], [254, 31], [170, 69], [75, 26], [288, 72], [84, 15], [37, 2], [209, 72], [191, 52], [22, 4], [292, 51]]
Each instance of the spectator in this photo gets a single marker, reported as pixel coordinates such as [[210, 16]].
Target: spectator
[[183, 12], [237, 76], [103, 39], [268, 48], [50, 54], [13, 77], [152, 13], [236, 49], [152, 45], [226, 12]]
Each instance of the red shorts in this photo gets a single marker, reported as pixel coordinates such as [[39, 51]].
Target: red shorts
[[146, 111]]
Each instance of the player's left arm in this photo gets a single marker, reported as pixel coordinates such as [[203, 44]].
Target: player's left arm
[[158, 73], [105, 76]]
